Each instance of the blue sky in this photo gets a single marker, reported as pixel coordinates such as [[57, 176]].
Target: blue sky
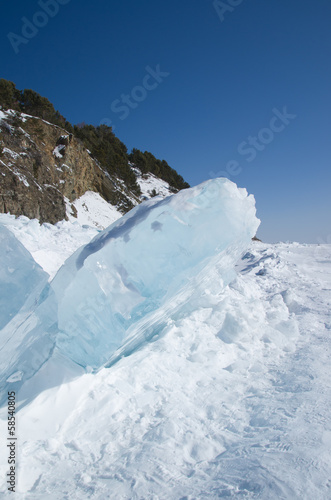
[[241, 90]]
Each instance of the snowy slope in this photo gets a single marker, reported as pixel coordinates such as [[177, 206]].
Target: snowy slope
[[92, 210], [69, 173], [150, 184]]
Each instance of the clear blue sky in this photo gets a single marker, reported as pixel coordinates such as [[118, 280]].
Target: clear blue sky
[[224, 75]]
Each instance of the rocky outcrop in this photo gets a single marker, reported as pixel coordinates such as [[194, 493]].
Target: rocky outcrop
[[42, 166]]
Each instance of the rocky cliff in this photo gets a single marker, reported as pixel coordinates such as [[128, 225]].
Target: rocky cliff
[[44, 169]]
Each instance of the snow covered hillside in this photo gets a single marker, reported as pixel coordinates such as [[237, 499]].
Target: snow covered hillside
[[47, 173], [231, 397]]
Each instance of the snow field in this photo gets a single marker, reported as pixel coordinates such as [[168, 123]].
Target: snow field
[[231, 400]]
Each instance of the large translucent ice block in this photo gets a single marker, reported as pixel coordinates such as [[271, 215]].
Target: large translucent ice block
[[141, 261], [117, 291]]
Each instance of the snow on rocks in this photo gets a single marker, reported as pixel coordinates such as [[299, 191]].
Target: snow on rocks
[[150, 185], [10, 153], [18, 174], [59, 150]]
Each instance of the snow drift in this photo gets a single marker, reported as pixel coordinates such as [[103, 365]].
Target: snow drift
[[122, 287]]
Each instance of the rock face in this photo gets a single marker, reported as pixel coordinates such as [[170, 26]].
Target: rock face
[[42, 164]]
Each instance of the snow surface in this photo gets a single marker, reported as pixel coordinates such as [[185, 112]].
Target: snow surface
[[92, 210], [50, 245], [231, 398]]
